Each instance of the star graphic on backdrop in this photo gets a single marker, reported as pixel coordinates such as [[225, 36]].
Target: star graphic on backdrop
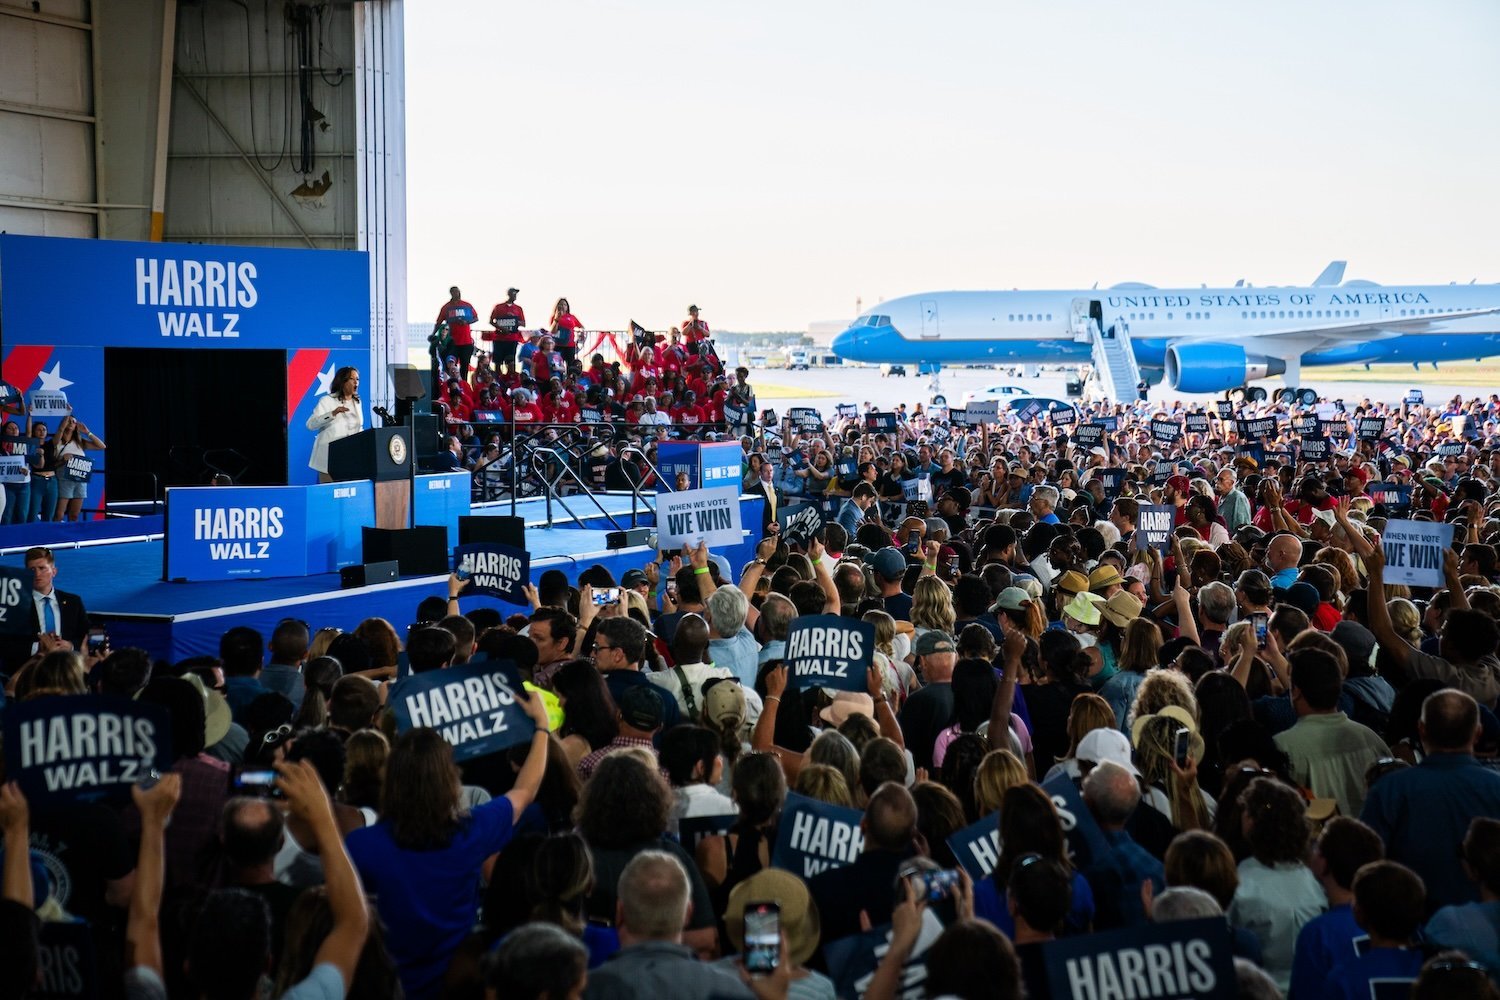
[[325, 380], [54, 379]]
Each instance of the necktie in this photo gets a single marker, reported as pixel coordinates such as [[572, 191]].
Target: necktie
[[49, 620]]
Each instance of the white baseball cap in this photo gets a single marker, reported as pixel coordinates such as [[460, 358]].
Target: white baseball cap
[[1109, 744]]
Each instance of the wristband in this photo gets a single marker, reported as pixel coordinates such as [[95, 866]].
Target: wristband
[[699, 570], [931, 566], [774, 697], [817, 560]]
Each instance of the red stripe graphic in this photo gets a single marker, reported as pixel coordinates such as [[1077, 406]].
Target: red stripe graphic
[[24, 363], [301, 374]]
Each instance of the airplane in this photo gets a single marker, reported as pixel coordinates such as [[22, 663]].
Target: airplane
[[1197, 340]]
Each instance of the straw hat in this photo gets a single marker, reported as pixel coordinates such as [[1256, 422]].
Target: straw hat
[[799, 914]]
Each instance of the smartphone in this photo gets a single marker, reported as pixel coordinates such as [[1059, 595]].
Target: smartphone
[[259, 782], [953, 565], [762, 938], [462, 574], [672, 588], [1181, 745], [98, 639], [935, 885], [1261, 621], [606, 596]]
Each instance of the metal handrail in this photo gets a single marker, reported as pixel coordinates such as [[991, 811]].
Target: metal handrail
[[636, 497], [567, 470]]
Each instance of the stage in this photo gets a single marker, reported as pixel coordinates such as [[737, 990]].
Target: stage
[[121, 584]]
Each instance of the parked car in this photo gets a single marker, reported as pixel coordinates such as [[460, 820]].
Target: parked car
[[796, 360], [886, 371], [1001, 392]]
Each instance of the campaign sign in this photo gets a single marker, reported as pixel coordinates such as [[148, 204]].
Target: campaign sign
[[830, 651], [1110, 424], [877, 422], [1088, 435], [846, 411], [1450, 449], [692, 516], [49, 403], [1165, 431], [1029, 412], [220, 533], [852, 960], [494, 570], [977, 846], [720, 462], [77, 469], [1161, 474], [1064, 417], [1197, 423], [1085, 840], [66, 965], [1182, 958], [1414, 397], [1113, 480], [1306, 426], [1258, 428], [1314, 449], [85, 748], [13, 469], [1153, 527], [815, 836], [1257, 451], [1225, 409], [692, 829], [736, 416], [1334, 428], [1370, 428], [488, 417], [1414, 552], [981, 412], [472, 706], [803, 520], [1397, 495], [16, 604]]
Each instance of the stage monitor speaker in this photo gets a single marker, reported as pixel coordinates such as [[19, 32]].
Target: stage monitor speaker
[[406, 382], [501, 530], [629, 538], [368, 574], [419, 551]]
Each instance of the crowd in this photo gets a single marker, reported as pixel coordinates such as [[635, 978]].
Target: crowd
[[38, 482], [1261, 731]]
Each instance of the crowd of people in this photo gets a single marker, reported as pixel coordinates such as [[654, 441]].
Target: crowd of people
[[38, 484], [1264, 730]]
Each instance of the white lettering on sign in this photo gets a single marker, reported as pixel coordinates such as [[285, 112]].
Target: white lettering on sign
[[11, 594], [986, 851], [438, 484], [462, 711], [829, 643], [832, 840], [1156, 521], [65, 747], [492, 570], [345, 492], [215, 524], [188, 283], [1154, 970]]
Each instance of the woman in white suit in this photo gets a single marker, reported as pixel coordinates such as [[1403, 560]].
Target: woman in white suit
[[336, 416]]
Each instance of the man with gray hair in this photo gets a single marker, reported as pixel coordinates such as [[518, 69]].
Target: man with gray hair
[[1044, 504], [776, 614], [651, 908], [1216, 605], [1112, 793], [1184, 902], [1234, 506], [730, 643]]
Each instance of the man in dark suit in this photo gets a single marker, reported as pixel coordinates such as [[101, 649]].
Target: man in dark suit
[[58, 619], [765, 487]]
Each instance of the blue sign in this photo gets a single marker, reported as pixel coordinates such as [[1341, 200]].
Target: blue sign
[[692, 829], [1370, 428], [803, 520], [1110, 424], [494, 570], [1314, 449], [977, 847], [852, 960], [231, 532], [830, 651], [16, 603], [67, 968], [1180, 958], [673, 457], [815, 836], [1165, 431], [1258, 428], [183, 294], [720, 462], [1085, 839], [880, 422], [472, 706], [336, 515], [85, 748], [1153, 527], [442, 499], [1113, 480]]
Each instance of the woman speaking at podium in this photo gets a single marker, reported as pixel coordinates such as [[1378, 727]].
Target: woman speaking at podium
[[336, 416]]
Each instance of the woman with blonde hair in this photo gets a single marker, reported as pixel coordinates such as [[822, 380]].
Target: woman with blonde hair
[[1171, 790], [932, 606], [1342, 566], [71, 441], [1162, 687], [897, 673], [1405, 619], [1088, 712], [825, 783], [321, 640], [999, 771]]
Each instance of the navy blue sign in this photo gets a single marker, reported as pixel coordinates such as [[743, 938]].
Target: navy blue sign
[[1085, 840], [85, 748], [1064, 416], [1181, 958], [1110, 424], [181, 294], [1088, 435], [815, 836], [1307, 426], [1112, 479], [66, 966], [829, 651], [1225, 408], [1450, 449], [1334, 428], [77, 468], [1314, 449], [1370, 428], [1258, 429], [472, 706], [692, 829], [16, 603], [878, 422], [977, 846], [804, 520], [493, 570], [1165, 431], [852, 960], [1255, 450], [1390, 494], [1029, 412], [1153, 527], [1197, 423]]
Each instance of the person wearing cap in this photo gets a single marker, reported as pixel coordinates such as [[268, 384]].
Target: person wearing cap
[[929, 709], [695, 329], [507, 319], [1176, 492], [889, 565]]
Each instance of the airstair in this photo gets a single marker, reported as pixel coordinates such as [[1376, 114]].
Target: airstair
[[1115, 372]]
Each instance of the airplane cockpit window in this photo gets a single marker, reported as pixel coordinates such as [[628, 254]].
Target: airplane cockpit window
[[877, 321]]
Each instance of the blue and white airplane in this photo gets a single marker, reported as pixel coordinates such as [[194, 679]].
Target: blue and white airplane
[[1199, 340]]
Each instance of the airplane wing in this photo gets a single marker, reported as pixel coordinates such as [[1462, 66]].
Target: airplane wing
[[1375, 328]]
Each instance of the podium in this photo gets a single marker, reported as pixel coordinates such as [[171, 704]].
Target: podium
[[382, 455]]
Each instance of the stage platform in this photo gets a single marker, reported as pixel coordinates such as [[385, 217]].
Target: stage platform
[[121, 584]]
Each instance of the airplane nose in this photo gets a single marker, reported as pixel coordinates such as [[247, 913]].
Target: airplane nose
[[846, 344]]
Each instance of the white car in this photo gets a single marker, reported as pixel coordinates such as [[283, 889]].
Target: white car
[[1003, 392]]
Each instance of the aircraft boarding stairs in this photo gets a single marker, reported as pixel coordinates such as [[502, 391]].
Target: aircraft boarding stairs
[[1115, 372]]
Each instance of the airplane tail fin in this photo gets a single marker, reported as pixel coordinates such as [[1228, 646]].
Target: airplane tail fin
[[1332, 274]]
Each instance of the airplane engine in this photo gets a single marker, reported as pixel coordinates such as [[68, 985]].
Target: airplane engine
[[1216, 367]]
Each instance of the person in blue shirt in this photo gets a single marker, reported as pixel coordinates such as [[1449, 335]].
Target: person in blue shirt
[[1112, 793], [1423, 813], [852, 513], [242, 651], [1474, 928], [1333, 938], [422, 861], [1389, 901]]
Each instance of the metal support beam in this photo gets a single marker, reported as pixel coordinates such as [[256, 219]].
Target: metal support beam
[[163, 117], [42, 111], [271, 155], [26, 14], [249, 162]]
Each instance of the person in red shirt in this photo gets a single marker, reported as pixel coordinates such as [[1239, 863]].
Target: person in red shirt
[[507, 318], [694, 329], [459, 409], [459, 316], [672, 356], [565, 328], [688, 412], [523, 407], [541, 362]]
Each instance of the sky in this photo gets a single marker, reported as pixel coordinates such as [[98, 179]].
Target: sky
[[777, 162]]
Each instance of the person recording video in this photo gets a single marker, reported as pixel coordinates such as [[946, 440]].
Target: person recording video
[[336, 416]]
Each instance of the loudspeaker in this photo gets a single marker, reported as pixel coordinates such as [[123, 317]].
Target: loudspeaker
[[629, 538], [501, 530], [368, 574], [406, 381], [427, 435], [419, 551]]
